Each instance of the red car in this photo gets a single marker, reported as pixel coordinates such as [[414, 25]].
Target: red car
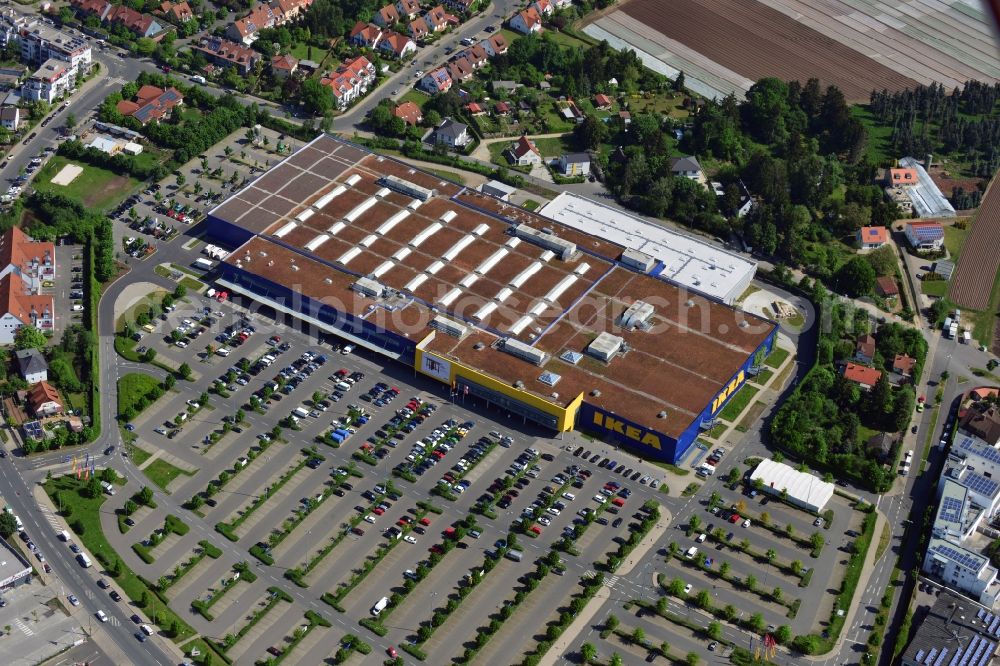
[[392, 652], [425, 522], [341, 373], [735, 518], [378, 511]]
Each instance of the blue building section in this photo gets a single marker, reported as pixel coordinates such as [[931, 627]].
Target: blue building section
[[348, 324], [650, 443], [227, 233]]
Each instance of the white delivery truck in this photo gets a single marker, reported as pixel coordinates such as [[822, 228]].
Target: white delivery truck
[[83, 560], [64, 535]]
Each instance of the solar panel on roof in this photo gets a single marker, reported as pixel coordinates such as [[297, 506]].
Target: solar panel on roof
[[970, 650], [995, 625], [987, 655], [981, 613], [963, 558], [919, 655], [957, 657], [937, 662], [931, 656], [951, 509]]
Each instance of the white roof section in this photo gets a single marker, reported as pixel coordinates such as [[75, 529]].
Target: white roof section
[[928, 201], [689, 262], [804, 488]]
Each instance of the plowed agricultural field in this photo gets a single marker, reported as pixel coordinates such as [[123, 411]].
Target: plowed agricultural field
[[980, 258], [755, 41]]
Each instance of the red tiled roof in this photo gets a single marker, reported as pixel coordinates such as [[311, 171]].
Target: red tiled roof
[[15, 300], [861, 374], [873, 235], [523, 146], [18, 249], [41, 393], [601, 100], [284, 62], [866, 346], [395, 42], [409, 112], [903, 364], [902, 176], [886, 286]]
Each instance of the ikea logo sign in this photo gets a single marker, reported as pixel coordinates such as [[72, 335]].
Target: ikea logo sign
[[639, 435], [730, 389]]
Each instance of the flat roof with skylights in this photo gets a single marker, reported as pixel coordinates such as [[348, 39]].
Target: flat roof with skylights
[[403, 251]]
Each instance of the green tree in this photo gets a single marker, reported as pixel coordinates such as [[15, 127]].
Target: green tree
[[317, 98], [703, 599], [591, 133], [751, 582], [29, 337], [611, 623], [184, 371], [856, 277], [146, 496], [817, 541], [694, 522], [676, 587], [616, 659], [638, 636], [783, 634], [756, 622], [714, 630], [796, 567], [692, 659], [770, 555], [724, 569], [7, 525], [588, 653]]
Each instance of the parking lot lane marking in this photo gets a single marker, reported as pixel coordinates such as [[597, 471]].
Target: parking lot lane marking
[[23, 627]]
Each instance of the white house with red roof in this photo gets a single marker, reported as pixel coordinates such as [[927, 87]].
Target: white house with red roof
[[436, 81], [350, 81], [524, 152], [396, 44], [365, 35], [387, 17], [527, 21]]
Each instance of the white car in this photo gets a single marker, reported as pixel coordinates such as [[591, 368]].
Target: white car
[[193, 404], [746, 523], [73, 601], [370, 519], [102, 616], [688, 588], [181, 344], [346, 349], [554, 511], [409, 539], [77, 308], [544, 520]]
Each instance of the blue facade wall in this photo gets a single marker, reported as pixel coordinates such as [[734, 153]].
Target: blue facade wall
[[227, 233], [348, 323]]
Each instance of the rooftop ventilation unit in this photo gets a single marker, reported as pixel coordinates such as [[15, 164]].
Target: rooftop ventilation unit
[[564, 248], [640, 261], [523, 351], [549, 378], [368, 287], [605, 346], [637, 315], [406, 187], [449, 327], [570, 356]]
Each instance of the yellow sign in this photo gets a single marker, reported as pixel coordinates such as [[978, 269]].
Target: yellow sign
[[728, 391], [609, 422]]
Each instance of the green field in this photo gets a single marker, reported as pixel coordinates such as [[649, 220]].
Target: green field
[[776, 358], [95, 187], [938, 288], [162, 473], [415, 96], [879, 137], [555, 146]]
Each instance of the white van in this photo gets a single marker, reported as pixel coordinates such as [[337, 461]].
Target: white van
[[342, 386], [223, 351], [64, 535], [380, 606], [301, 412], [691, 552]]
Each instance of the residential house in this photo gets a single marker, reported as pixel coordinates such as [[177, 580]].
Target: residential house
[[178, 11], [365, 35], [33, 261], [475, 54], [387, 17], [408, 8], [495, 45], [397, 45], [524, 152], [51, 81], [543, 7], [151, 104], [419, 29], [32, 365], [903, 365], [602, 102], [460, 69], [872, 238], [409, 112], [283, 66], [225, 53], [982, 421], [527, 21], [10, 117], [350, 81], [574, 164], [141, 25], [10, 77], [886, 287], [880, 445], [686, 167], [436, 81], [501, 109], [561, 4], [571, 112], [289, 10], [625, 117], [862, 375], [864, 349], [475, 109], [245, 30], [438, 19], [43, 400], [452, 134], [19, 307], [98, 8], [924, 236], [504, 85]]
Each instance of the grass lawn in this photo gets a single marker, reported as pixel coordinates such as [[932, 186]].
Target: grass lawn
[[750, 416], [450, 175], [777, 357], [84, 516], [556, 146], [141, 306], [562, 39], [132, 387], [954, 239], [95, 187], [879, 148], [302, 52], [139, 455], [162, 473], [554, 122], [192, 285], [498, 156], [530, 204], [417, 97], [937, 288], [738, 403]]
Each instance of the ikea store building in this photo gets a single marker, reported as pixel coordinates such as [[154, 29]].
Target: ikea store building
[[581, 318]]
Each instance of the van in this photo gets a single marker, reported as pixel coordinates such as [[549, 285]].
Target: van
[[182, 417], [300, 412], [380, 606], [223, 351], [691, 552], [149, 328], [108, 488], [514, 555], [83, 560], [342, 386], [198, 78], [64, 535]]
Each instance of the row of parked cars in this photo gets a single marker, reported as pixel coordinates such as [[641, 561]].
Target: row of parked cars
[[618, 468]]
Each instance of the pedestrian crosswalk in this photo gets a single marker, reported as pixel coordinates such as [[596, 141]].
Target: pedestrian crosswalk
[[50, 518], [23, 627], [609, 581], [113, 621]]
